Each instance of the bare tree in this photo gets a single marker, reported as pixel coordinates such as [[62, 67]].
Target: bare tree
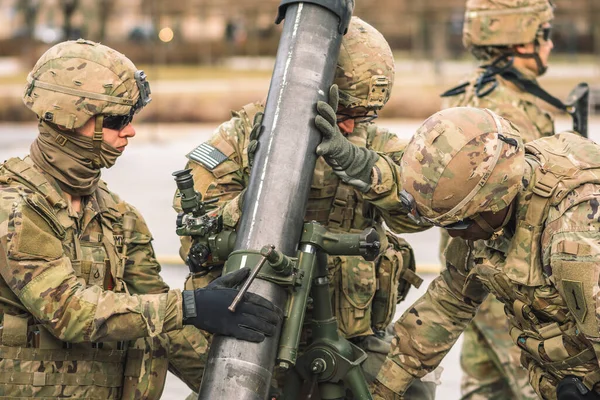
[[68, 7], [106, 7], [153, 8], [30, 9]]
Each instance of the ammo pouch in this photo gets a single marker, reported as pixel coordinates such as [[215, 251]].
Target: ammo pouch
[[34, 364], [354, 285], [146, 368], [395, 273]]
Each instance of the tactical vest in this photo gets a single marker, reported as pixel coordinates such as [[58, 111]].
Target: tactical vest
[[34, 363], [544, 323]]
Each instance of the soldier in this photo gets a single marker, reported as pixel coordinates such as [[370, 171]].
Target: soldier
[[85, 313], [512, 41], [524, 225], [364, 294]]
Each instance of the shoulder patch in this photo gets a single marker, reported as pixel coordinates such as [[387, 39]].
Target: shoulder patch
[[37, 234], [207, 155]]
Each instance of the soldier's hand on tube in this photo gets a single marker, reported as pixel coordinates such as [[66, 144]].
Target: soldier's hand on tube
[[207, 309], [257, 129], [334, 147], [353, 164]]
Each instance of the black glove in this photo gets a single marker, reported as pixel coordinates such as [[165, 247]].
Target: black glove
[[572, 388], [254, 318]]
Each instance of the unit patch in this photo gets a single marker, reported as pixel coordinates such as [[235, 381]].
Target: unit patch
[[575, 298], [207, 155]]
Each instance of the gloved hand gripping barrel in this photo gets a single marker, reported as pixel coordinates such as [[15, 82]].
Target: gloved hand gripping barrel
[[276, 197]]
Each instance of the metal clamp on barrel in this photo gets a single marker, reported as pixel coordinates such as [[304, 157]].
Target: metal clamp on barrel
[[271, 265], [341, 8], [365, 243], [265, 253]]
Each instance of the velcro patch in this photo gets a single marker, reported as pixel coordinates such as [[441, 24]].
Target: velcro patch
[[207, 155], [34, 237]]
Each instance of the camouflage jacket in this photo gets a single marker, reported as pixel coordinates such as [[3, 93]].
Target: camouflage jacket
[[220, 170], [507, 100], [228, 175], [89, 282], [544, 270]]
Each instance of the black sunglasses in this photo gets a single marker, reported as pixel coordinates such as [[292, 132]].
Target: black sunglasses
[[361, 118], [117, 122], [545, 33]]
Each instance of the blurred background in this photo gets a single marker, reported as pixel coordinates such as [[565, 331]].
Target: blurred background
[[205, 58]]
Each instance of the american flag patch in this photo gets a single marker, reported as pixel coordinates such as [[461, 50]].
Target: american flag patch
[[207, 155]]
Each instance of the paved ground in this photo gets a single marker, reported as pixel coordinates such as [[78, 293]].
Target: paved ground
[[143, 177]]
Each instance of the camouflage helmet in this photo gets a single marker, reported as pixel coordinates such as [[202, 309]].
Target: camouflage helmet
[[504, 22], [76, 80], [462, 161], [365, 67]]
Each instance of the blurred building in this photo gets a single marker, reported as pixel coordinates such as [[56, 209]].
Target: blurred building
[[426, 28]]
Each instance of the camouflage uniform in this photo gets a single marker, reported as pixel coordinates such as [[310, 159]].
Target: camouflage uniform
[[85, 313], [541, 264], [364, 294], [489, 359], [511, 102]]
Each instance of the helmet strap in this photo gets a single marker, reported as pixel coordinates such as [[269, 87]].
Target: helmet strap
[[541, 68], [508, 215], [531, 86], [483, 224], [486, 82], [97, 140]]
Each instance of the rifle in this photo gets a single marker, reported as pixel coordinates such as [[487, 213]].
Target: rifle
[[577, 105]]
